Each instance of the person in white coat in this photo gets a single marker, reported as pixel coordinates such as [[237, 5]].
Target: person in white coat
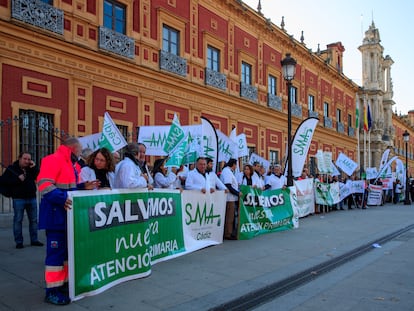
[[128, 172], [276, 180], [212, 177], [198, 179], [229, 179], [162, 177], [100, 166]]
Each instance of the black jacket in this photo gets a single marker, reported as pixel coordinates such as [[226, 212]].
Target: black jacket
[[20, 189]]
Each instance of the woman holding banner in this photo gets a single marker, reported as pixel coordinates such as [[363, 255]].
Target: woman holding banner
[[100, 166]]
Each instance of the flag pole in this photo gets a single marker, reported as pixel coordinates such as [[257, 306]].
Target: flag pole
[[369, 148], [358, 136]]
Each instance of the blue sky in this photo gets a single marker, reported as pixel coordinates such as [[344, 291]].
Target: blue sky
[[329, 21]]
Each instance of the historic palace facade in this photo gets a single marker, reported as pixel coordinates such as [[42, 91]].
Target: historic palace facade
[[63, 63]]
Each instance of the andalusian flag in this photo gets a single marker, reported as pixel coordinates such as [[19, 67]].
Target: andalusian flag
[[111, 137]]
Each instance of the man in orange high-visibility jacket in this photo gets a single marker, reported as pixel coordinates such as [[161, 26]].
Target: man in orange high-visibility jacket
[[58, 174]]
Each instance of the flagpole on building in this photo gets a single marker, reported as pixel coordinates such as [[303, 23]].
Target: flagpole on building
[[369, 148], [358, 138], [365, 150]]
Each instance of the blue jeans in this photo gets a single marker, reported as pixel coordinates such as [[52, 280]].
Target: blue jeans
[[19, 205]]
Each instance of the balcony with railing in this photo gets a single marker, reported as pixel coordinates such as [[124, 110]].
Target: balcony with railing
[[297, 111], [116, 42], [340, 128], [248, 91], [327, 122], [173, 63], [39, 14], [351, 131], [313, 114], [215, 79], [274, 101]]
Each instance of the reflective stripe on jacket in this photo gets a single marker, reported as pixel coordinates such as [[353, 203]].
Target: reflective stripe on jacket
[[57, 176]]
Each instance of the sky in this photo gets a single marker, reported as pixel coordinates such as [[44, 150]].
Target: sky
[[328, 21]]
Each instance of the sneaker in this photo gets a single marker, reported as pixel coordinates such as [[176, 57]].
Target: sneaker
[[57, 298], [19, 245], [36, 243], [64, 289]]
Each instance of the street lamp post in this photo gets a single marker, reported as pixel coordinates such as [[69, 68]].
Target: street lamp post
[[289, 70], [407, 201]]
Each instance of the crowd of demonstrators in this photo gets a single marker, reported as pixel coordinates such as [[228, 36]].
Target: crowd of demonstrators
[[59, 173], [229, 179], [20, 178], [100, 166]]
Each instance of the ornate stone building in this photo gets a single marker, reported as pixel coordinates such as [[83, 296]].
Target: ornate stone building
[[377, 92], [64, 63]]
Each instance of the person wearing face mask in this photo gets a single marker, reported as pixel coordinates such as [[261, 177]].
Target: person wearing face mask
[[59, 173]]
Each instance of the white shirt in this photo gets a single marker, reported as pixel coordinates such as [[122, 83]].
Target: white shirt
[[128, 175], [275, 182], [227, 177], [88, 174], [147, 171], [215, 182], [165, 181], [195, 180], [258, 180]]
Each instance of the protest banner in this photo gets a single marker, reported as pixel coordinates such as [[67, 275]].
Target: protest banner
[[326, 194], [347, 165], [241, 142], [262, 161], [117, 235], [374, 195], [358, 186], [266, 211], [90, 141], [305, 197], [227, 147], [155, 137]]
